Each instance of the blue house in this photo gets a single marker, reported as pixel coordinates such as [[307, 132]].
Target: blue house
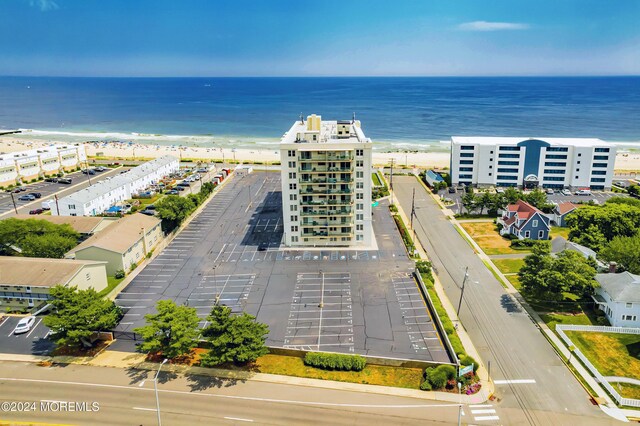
[[525, 221], [432, 178]]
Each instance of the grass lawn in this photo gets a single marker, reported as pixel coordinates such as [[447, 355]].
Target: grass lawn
[[552, 319], [627, 390], [559, 231], [487, 236], [514, 280], [508, 266], [611, 353], [112, 282], [376, 179], [371, 375]]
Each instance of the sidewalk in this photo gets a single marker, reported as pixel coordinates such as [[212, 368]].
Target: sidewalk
[[126, 360]]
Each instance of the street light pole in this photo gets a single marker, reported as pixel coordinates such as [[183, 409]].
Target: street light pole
[[14, 203], [155, 382], [459, 405], [466, 275], [215, 283]]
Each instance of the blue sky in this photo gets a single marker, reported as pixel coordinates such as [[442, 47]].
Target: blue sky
[[325, 37]]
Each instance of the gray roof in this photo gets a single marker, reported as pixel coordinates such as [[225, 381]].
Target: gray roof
[[623, 287], [559, 244]]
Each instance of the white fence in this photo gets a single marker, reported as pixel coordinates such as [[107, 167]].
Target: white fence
[[599, 377]]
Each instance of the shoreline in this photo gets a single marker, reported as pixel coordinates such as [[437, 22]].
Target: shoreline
[[626, 161]]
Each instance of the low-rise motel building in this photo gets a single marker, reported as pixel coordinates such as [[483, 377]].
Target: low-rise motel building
[[25, 166], [557, 163], [326, 183], [104, 194], [122, 244], [25, 282]]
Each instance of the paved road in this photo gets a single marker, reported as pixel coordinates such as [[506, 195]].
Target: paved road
[[124, 399], [501, 331], [48, 189]]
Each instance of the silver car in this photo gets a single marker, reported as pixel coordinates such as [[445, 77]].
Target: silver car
[[24, 325]]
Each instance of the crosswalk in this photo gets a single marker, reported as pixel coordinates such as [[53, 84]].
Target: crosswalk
[[483, 413]]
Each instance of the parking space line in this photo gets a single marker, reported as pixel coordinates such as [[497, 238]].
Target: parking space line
[[34, 327]]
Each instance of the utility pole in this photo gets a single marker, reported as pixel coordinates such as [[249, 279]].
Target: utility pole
[[466, 275], [57, 206], [14, 203], [391, 179], [413, 208]]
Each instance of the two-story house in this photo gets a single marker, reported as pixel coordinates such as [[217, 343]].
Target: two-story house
[[619, 298], [524, 221]]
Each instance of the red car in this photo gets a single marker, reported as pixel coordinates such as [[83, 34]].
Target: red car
[[36, 211]]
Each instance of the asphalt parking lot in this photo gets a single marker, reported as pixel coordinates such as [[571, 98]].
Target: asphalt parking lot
[[48, 189], [231, 250], [33, 342]]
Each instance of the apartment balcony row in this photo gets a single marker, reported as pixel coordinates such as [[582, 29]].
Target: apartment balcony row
[[326, 191], [326, 202], [327, 234], [325, 223], [324, 169], [323, 213], [324, 180], [321, 157]]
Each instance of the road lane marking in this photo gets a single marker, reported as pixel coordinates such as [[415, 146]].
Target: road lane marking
[[514, 382], [33, 328], [488, 411], [236, 418], [486, 418], [144, 409]]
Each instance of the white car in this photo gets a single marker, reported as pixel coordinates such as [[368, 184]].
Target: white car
[[24, 325], [500, 190], [583, 192], [566, 192], [550, 191]]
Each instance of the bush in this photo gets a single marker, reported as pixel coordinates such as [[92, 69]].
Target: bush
[[468, 360], [119, 274], [393, 208], [330, 361], [437, 377], [425, 386]]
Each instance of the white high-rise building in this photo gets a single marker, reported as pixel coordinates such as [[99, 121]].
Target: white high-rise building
[[326, 184], [557, 163]]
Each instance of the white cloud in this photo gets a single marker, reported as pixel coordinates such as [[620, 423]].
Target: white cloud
[[44, 5], [491, 26]]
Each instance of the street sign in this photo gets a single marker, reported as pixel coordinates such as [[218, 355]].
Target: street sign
[[465, 370]]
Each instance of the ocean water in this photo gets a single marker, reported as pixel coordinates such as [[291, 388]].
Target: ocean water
[[397, 113]]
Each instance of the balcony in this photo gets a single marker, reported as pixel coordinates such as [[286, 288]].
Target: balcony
[[324, 169], [340, 202], [324, 181], [314, 223], [330, 213], [319, 157]]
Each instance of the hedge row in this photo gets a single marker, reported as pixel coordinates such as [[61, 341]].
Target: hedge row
[[327, 361]]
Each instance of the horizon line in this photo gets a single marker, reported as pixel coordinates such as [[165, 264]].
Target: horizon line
[[330, 76]]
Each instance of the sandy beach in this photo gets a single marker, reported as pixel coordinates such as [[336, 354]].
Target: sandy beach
[[625, 161]]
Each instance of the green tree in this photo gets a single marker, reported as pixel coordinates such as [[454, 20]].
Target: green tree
[[174, 209], [233, 338], [512, 195], [36, 238], [48, 245], [484, 201], [536, 275], [536, 198], [547, 278], [593, 226], [634, 190], [172, 331], [591, 237], [625, 251], [77, 314], [469, 201]]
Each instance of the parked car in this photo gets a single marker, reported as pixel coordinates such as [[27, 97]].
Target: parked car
[[172, 192], [46, 205], [263, 247], [452, 190], [36, 211], [566, 192], [51, 179], [36, 194], [100, 169], [26, 197], [180, 188], [583, 192], [148, 212], [18, 189], [500, 190], [550, 191], [151, 207], [88, 172], [24, 325], [65, 181], [183, 184]]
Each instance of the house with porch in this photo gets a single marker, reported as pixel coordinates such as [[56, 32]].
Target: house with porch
[[619, 298], [524, 221]]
